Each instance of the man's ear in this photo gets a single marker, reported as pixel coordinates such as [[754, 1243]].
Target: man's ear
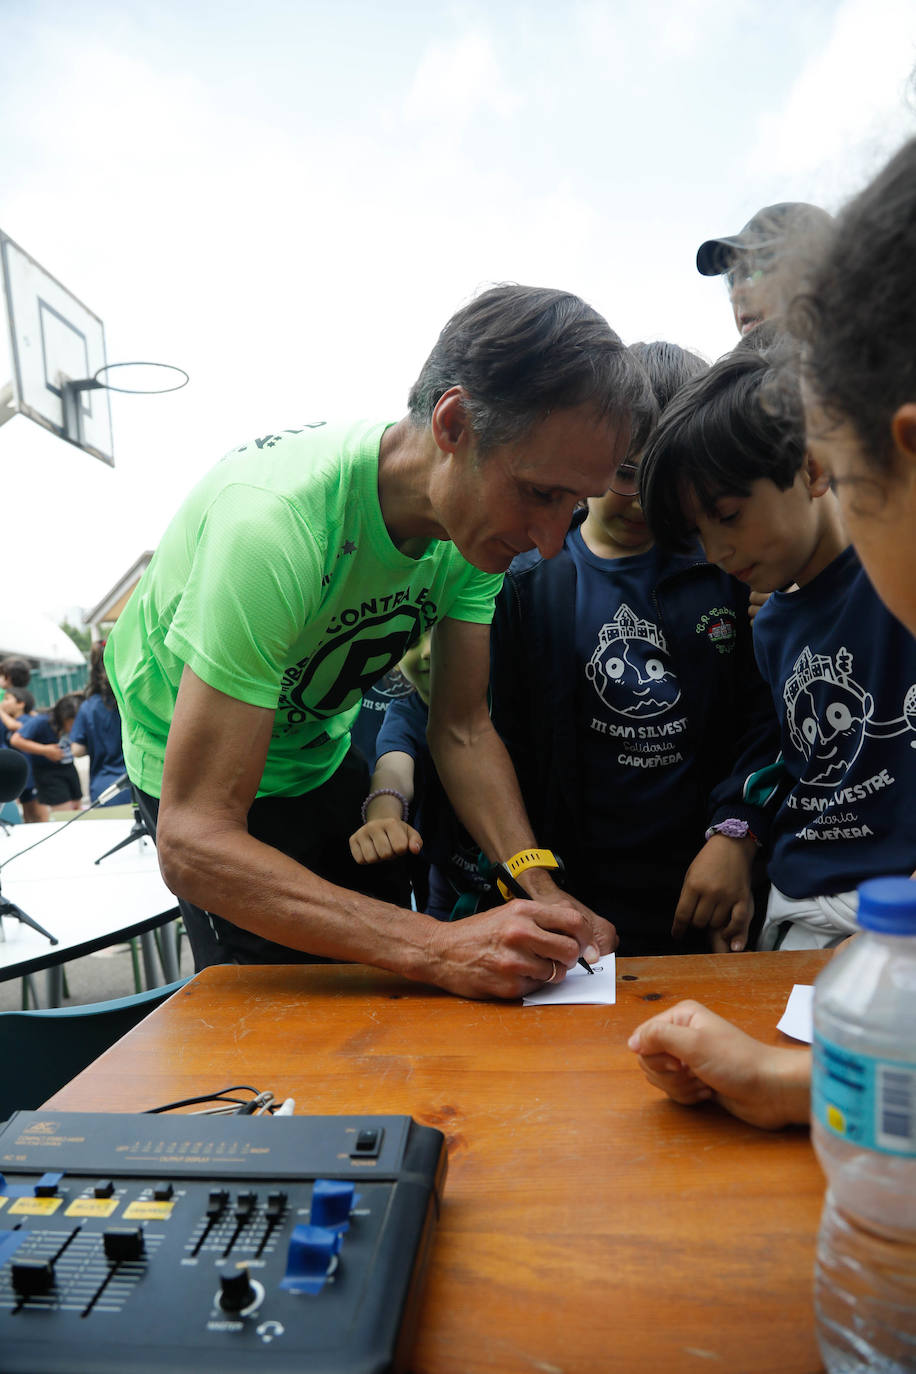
[[816, 476], [449, 420]]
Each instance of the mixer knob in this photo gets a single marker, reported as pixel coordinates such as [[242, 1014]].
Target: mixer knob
[[236, 1292]]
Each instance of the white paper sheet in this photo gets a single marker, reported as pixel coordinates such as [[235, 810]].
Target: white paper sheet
[[598, 989], [796, 1019]]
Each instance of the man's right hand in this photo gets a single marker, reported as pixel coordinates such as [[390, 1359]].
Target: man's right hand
[[513, 949]]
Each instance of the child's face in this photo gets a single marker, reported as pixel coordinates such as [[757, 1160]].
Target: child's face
[[621, 523], [415, 665], [768, 539], [878, 509], [12, 705]]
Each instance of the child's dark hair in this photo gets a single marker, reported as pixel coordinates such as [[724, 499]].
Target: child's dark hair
[[668, 368], [98, 678], [855, 320], [65, 709], [16, 671], [25, 696], [718, 436]]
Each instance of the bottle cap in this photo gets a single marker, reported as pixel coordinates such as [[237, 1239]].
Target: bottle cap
[[888, 905]]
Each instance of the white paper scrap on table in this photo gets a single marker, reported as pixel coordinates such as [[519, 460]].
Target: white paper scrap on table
[[796, 1019], [597, 989]]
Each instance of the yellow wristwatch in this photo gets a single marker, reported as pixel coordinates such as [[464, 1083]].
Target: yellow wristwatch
[[507, 873]]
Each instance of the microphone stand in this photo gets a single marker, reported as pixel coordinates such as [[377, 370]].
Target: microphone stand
[[11, 909], [137, 832]]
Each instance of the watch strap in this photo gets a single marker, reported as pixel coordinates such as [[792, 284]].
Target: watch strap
[[509, 871]]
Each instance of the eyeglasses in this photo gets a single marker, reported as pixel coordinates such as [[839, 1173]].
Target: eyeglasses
[[625, 481], [743, 275]]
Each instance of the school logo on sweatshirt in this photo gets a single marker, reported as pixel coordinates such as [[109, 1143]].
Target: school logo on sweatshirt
[[631, 667], [718, 627]]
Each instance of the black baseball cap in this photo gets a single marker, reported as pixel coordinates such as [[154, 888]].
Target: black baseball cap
[[769, 228]]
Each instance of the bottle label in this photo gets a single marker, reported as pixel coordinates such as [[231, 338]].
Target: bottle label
[[869, 1102]]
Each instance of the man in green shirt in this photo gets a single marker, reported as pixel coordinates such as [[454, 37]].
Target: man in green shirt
[[295, 574]]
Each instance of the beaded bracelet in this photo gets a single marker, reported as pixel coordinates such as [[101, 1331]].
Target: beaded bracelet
[[386, 792]]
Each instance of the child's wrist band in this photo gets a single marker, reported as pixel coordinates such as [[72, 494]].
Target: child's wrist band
[[386, 792], [733, 830]]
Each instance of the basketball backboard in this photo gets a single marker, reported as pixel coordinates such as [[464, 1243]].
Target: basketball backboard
[[53, 340]]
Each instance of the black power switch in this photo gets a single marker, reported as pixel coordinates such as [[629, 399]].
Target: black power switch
[[367, 1143]]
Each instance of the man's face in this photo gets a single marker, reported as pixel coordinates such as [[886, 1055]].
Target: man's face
[[765, 539], [753, 292], [522, 495]]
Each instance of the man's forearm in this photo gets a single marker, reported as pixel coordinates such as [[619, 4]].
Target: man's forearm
[[476, 772], [227, 871]]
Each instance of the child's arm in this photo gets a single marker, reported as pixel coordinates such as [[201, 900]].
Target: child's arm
[[32, 746], [696, 1056], [76, 749], [716, 893], [385, 834]]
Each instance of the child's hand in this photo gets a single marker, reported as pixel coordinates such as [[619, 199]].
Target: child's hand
[[385, 838], [695, 1056], [53, 752], [755, 601], [716, 894]]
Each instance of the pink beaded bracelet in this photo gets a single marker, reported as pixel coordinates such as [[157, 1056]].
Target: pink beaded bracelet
[[386, 792]]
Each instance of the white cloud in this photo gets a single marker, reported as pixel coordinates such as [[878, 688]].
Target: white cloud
[[458, 80], [848, 108], [658, 29]]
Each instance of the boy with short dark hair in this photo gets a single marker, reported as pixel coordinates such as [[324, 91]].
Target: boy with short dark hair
[[14, 672], [729, 463]]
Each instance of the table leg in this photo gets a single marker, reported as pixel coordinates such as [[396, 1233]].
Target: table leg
[[167, 955], [55, 985], [148, 951]]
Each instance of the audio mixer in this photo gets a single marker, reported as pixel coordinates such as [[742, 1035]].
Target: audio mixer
[[148, 1242]]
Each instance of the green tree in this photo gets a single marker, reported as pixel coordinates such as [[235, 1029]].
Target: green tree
[[81, 638]]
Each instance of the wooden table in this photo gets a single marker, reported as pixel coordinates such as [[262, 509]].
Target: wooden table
[[590, 1225], [87, 905]]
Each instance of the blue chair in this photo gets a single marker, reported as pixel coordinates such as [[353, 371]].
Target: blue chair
[[42, 1050]]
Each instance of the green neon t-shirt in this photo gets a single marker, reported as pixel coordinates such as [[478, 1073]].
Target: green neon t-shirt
[[277, 583]]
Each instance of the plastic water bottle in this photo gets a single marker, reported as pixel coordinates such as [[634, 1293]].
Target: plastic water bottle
[[863, 1125]]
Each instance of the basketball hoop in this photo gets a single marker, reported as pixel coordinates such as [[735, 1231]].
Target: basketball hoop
[[71, 391], [146, 390]]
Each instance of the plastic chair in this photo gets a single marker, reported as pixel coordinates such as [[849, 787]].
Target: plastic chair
[[42, 1050]]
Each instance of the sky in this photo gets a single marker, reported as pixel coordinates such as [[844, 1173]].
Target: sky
[[288, 200]]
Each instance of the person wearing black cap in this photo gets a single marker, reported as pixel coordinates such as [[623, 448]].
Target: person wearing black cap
[[756, 261]]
